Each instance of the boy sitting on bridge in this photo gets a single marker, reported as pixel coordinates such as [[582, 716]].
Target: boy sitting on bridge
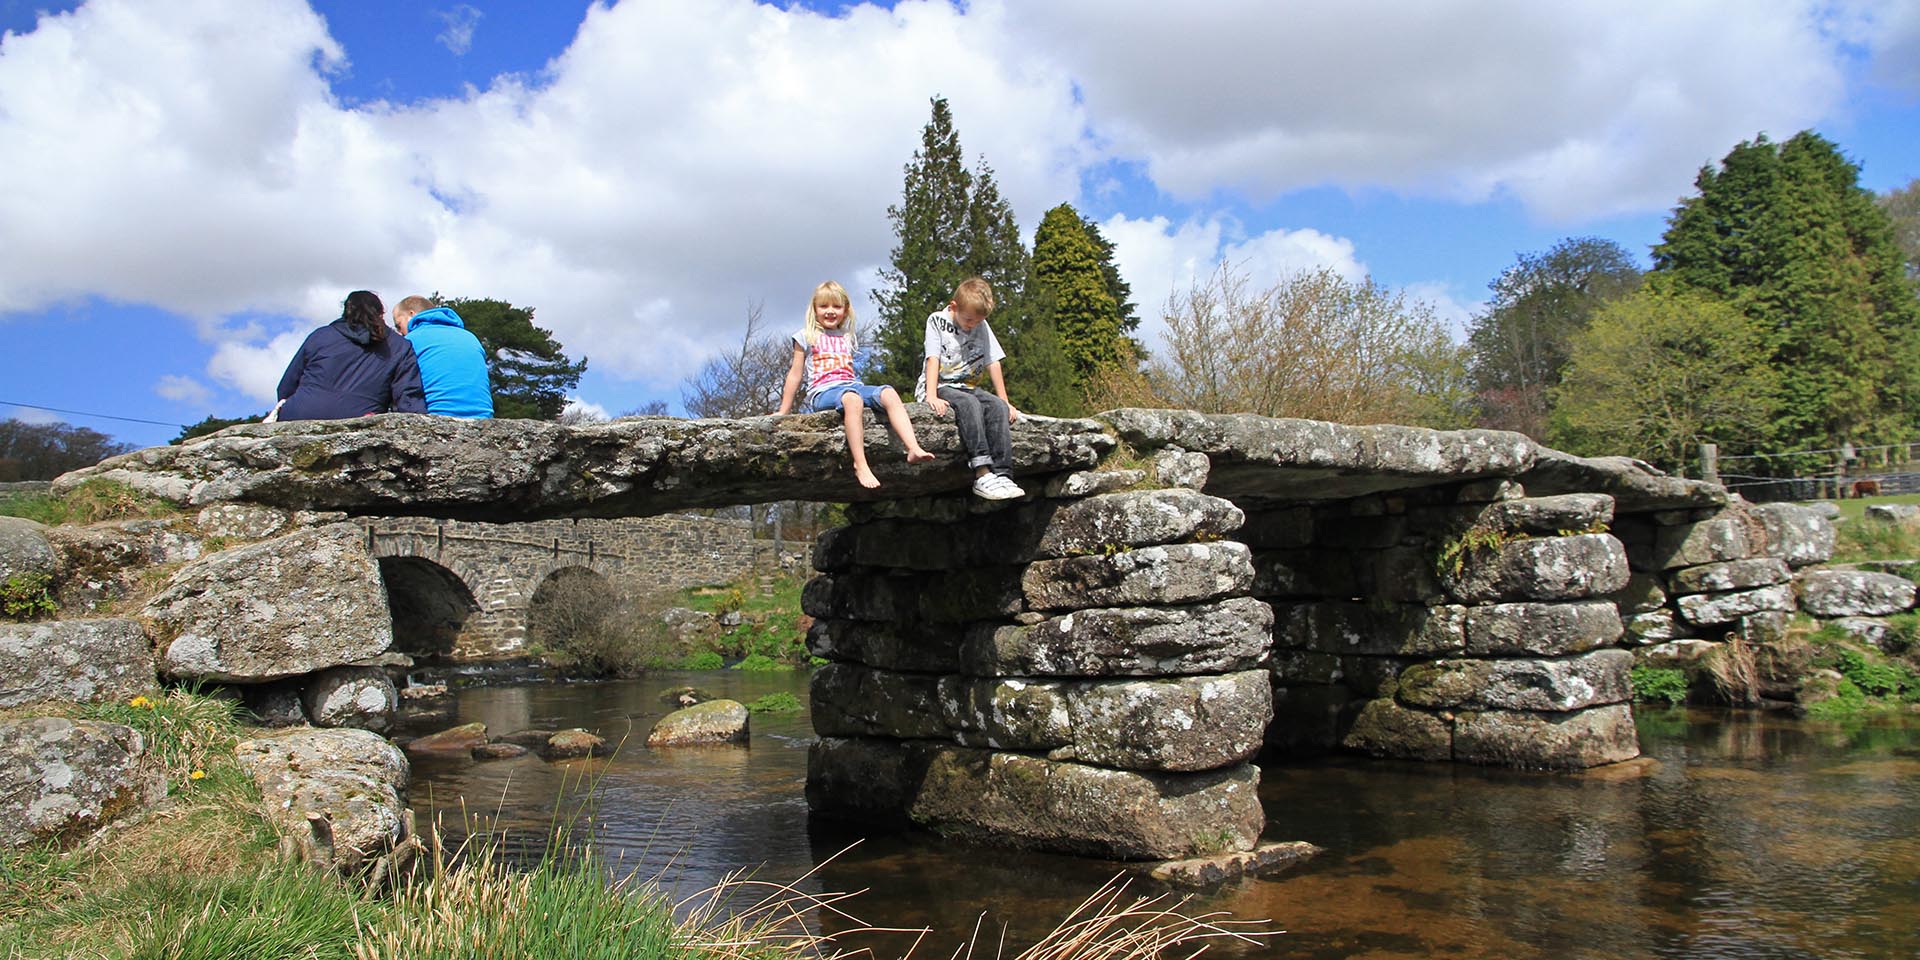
[[960, 348]]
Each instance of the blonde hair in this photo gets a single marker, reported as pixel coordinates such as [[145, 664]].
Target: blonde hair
[[833, 291], [974, 295]]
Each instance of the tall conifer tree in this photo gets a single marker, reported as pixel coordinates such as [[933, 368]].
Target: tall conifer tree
[[1068, 262], [933, 226], [952, 224], [1785, 233]]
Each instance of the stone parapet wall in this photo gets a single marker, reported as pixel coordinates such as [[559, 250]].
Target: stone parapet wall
[[993, 666]]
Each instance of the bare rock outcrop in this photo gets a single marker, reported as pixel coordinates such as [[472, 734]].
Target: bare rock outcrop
[[83, 661], [279, 608], [338, 797], [63, 779]]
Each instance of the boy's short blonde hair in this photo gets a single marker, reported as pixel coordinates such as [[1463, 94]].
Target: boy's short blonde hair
[[974, 295]]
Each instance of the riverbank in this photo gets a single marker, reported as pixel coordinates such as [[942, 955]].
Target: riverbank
[[202, 875]]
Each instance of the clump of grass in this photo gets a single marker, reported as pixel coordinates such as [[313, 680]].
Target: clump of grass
[[761, 663], [1735, 671], [1667, 684], [780, 702], [1865, 539], [703, 660], [1475, 541], [27, 595]]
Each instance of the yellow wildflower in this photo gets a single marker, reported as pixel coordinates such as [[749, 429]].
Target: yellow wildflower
[[197, 775], [140, 701]]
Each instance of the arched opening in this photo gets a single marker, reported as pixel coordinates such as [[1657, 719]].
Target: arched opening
[[574, 608], [431, 607]]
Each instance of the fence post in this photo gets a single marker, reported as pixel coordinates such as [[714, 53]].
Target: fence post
[[1710, 462]]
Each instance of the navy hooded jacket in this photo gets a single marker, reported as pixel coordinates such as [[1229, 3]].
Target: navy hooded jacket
[[453, 365], [341, 371]]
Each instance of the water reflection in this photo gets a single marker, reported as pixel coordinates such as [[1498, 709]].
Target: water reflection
[[1740, 835]]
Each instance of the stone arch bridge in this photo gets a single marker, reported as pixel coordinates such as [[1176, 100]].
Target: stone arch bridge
[[461, 590], [1092, 668]]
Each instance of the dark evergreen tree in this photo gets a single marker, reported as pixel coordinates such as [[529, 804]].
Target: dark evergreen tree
[[529, 371], [212, 424], [1785, 234], [1520, 344], [1068, 263], [1117, 287], [934, 229]]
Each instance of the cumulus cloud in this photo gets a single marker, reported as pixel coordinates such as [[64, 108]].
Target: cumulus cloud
[[679, 161], [1578, 109], [185, 390], [460, 22]]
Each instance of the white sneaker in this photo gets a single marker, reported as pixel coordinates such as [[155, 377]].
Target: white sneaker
[[996, 487]]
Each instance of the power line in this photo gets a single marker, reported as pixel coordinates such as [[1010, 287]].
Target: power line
[[83, 413]]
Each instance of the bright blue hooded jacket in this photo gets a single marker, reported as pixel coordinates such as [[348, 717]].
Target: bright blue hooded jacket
[[453, 365]]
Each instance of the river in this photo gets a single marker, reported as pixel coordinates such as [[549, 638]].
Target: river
[[1738, 835]]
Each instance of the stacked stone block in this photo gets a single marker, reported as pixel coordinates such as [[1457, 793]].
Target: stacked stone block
[[1454, 623], [1079, 673], [1705, 576]]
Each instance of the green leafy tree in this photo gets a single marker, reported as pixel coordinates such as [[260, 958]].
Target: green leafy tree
[[1657, 372], [1519, 344], [1784, 234], [1902, 208], [529, 372], [1068, 263]]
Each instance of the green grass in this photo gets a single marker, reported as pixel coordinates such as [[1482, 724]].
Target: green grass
[[90, 502], [1851, 510], [1857, 539]]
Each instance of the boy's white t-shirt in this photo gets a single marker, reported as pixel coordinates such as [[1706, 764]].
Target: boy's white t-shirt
[[964, 354]]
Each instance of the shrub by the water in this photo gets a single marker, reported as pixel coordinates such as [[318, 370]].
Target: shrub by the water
[[1664, 684]]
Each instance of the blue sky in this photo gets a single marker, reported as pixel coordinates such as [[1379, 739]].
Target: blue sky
[[192, 185]]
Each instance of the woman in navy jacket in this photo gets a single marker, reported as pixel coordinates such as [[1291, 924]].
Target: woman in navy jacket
[[352, 367]]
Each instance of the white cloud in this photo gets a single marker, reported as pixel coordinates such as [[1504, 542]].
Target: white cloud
[[584, 409], [460, 22], [679, 161], [185, 390], [254, 369], [1578, 108], [1455, 314]]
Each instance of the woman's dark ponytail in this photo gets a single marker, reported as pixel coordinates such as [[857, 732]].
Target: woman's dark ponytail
[[364, 310]]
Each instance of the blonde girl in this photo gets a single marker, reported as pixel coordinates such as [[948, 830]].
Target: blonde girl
[[823, 355]]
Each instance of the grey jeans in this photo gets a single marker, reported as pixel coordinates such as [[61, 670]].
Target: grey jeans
[[982, 420]]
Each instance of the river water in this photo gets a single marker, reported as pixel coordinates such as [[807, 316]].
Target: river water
[[1739, 835]]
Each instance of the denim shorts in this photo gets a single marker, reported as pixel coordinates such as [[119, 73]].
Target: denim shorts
[[829, 399]]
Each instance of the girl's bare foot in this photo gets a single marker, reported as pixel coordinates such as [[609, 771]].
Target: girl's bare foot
[[917, 455], [866, 477]]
